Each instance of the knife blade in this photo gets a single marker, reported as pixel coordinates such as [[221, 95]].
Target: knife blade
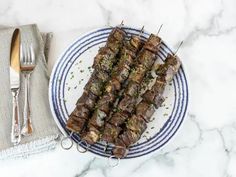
[[15, 86]]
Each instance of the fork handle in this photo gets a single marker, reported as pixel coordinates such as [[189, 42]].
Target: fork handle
[[15, 129], [27, 128]]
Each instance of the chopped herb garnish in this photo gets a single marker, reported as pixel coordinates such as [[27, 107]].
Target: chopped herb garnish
[[81, 70], [165, 114], [152, 127]]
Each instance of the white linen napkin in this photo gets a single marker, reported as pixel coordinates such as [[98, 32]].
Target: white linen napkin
[[46, 133]]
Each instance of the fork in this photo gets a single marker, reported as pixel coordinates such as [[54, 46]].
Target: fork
[[27, 66]]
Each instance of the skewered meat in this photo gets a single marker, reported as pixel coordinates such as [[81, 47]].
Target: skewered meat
[[98, 118], [120, 73], [103, 64], [132, 89], [81, 111], [146, 58], [94, 85], [75, 124], [137, 123], [138, 74], [145, 110], [92, 135], [152, 42], [127, 104], [110, 133], [119, 118], [88, 99], [112, 86], [129, 137], [120, 150], [105, 102]]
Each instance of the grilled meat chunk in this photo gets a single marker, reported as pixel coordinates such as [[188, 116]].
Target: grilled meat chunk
[[110, 133], [118, 118], [88, 99], [92, 135], [138, 74], [153, 43], [120, 149], [75, 124], [98, 118], [127, 104], [136, 124], [145, 110]]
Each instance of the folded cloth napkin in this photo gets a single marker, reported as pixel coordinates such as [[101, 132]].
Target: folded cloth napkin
[[46, 133]]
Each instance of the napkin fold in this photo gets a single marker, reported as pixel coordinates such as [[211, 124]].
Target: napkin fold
[[46, 133]]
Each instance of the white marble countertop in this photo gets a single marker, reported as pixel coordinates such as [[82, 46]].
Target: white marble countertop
[[205, 145]]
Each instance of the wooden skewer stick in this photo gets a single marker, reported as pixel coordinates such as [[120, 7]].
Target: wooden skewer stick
[[178, 47], [121, 24], [141, 31], [159, 29]]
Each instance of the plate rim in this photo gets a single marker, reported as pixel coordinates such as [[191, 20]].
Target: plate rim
[[69, 47]]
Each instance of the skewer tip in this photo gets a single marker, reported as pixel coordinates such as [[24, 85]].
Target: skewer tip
[[141, 31], [181, 43], [159, 29], [121, 24]]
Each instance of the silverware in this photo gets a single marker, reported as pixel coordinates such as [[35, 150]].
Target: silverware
[[15, 86], [27, 67]]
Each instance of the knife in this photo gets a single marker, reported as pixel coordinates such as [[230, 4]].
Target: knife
[[15, 86]]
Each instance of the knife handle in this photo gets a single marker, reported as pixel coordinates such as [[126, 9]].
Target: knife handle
[[15, 130]]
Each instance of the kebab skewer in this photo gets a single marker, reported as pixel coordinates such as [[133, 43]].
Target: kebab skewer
[[152, 99], [126, 106], [103, 64], [119, 76]]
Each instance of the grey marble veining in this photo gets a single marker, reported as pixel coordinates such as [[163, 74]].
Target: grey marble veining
[[205, 145]]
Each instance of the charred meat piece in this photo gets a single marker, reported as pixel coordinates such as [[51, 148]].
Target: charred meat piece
[[95, 86], [106, 64], [118, 34], [103, 53], [153, 43], [75, 124], [151, 96], [166, 72], [110, 133], [120, 149], [145, 110], [81, 111], [92, 135], [146, 58], [105, 102], [173, 61], [138, 74], [114, 44], [122, 73], [88, 99], [129, 137], [136, 43], [127, 104], [118, 118], [102, 75], [127, 57], [97, 119], [136, 124], [112, 86], [132, 89]]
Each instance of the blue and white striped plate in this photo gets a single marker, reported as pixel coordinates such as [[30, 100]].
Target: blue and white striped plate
[[72, 71]]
